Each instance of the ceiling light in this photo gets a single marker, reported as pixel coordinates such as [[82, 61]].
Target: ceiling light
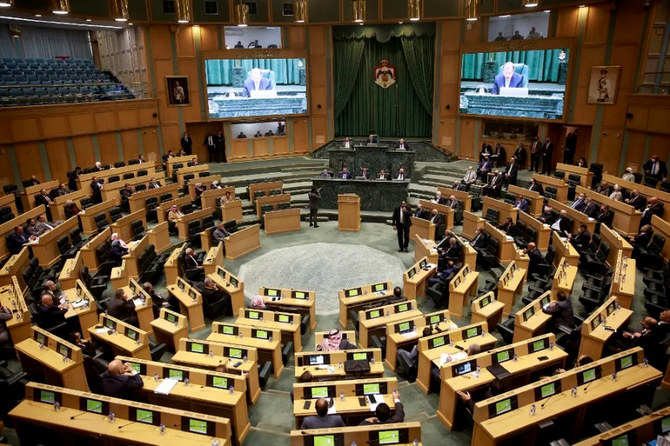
[[6, 3], [183, 10], [89, 20], [472, 10], [242, 14], [60, 7], [38, 15], [358, 10], [414, 10], [119, 9], [300, 11], [530, 3]]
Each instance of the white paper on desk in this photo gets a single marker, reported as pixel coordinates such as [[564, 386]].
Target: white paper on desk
[[509, 239], [545, 225], [79, 303], [564, 239], [166, 386], [458, 356], [332, 410], [138, 302], [409, 334], [322, 367], [592, 219], [101, 330], [444, 358]]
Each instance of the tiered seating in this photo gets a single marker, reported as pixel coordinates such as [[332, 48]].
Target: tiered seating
[[54, 81]]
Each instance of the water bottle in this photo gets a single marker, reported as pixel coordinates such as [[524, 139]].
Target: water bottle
[[231, 389], [341, 396], [186, 382], [211, 354], [216, 443], [244, 358], [339, 366], [388, 313], [372, 360], [353, 443], [112, 417], [613, 376], [574, 391], [532, 410], [516, 357], [155, 376], [64, 358], [162, 429], [551, 346], [645, 362], [56, 406], [415, 442]]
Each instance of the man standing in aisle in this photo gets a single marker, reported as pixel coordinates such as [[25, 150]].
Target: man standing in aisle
[[547, 150], [314, 202], [535, 150], [220, 143], [401, 223], [186, 143], [210, 142]]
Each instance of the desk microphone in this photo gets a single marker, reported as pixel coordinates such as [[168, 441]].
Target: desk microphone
[[139, 420], [78, 415], [589, 385], [547, 400]]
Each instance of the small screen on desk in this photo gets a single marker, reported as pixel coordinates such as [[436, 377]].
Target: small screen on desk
[[227, 329], [175, 374], [435, 319], [324, 440], [457, 281], [170, 317], [439, 341], [144, 416], [379, 287], [595, 322], [626, 439], [197, 426], [389, 437], [352, 293], [537, 346], [133, 288], [466, 367], [137, 367], [423, 263], [503, 356], [316, 360], [233, 281], [411, 272], [270, 292], [78, 290], [374, 314], [472, 332], [611, 307], [64, 350], [319, 392], [528, 313], [253, 315], [625, 362], [219, 382], [503, 406], [371, 389], [299, 295], [40, 338], [221, 272], [545, 300], [404, 327], [589, 375], [132, 334], [547, 390], [261, 334], [466, 271], [181, 284], [665, 425], [191, 294], [485, 301], [401, 308], [94, 406], [47, 397], [235, 353], [360, 356], [110, 323], [197, 347], [284, 318]]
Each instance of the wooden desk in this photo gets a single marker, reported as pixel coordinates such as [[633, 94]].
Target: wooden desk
[[144, 306], [616, 243], [9, 200], [425, 248], [137, 200], [28, 194], [460, 195], [623, 281], [84, 180], [564, 250], [45, 247], [232, 211], [243, 242], [182, 222], [87, 216], [542, 231], [415, 278], [271, 200], [535, 199], [564, 278], [231, 285], [266, 342], [644, 190], [398, 336], [510, 284], [190, 303], [471, 222], [450, 342], [211, 198], [461, 287], [560, 185], [172, 267], [119, 335], [8, 227], [215, 354], [170, 162], [283, 220], [577, 217], [122, 226], [266, 187], [358, 434], [445, 210], [506, 248], [206, 182], [191, 170], [333, 364], [86, 314], [526, 363], [346, 396], [159, 237], [530, 321], [57, 207], [70, 273], [213, 259], [169, 327], [504, 209], [291, 301], [348, 212], [643, 428], [422, 228], [59, 362], [165, 206], [287, 323], [626, 218], [375, 321], [88, 252], [487, 309], [11, 297], [112, 191], [355, 298], [14, 268], [594, 334], [585, 175]]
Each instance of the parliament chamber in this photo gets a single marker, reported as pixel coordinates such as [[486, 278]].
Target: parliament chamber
[[334, 222]]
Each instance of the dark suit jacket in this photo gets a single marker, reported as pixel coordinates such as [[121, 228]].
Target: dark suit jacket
[[97, 195], [637, 202], [561, 314], [479, 241], [642, 239], [210, 295], [535, 258], [581, 240], [453, 252], [512, 170], [422, 213], [15, 242], [264, 84], [51, 315], [186, 144], [396, 218], [523, 205], [452, 204], [656, 209], [120, 386], [564, 224], [505, 227], [592, 210], [547, 148], [662, 167], [537, 187], [398, 416], [121, 309], [71, 211], [605, 218], [547, 219], [579, 205], [41, 199], [515, 82], [438, 219], [317, 422], [345, 175]]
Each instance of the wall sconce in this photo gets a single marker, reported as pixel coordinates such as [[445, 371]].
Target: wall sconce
[[119, 10], [242, 14], [300, 11], [183, 10], [414, 10], [358, 10]]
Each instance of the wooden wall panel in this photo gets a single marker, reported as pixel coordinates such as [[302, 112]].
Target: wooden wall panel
[[567, 23], [296, 38], [83, 151], [280, 146], [609, 150], [81, 123], [189, 68], [54, 126], [184, 38], [261, 147], [635, 150], [160, 42], [209, 38], [106, 121], [659, 146], [59, 159], [6, 173], [467, 138], [300, 135], [24, 129], [130, 144], [108, 148], [319, 130], [28, 159], [240, 148], [150, 144]]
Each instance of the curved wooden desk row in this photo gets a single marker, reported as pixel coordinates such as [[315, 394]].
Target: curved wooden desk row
[[329, 366], [577, 217], [287, 323], [83, 417], [11, 297], [190, 303], [375, 321], [112, 191], [487, 309], [206, 392], [207, 183], [362, 296], [346, 397], [406, 333], [8, 227], [265, 187], [415, 278], [137, 200], [170, 162], [601, 326], [232, 285], [510, 284], [514, 362], [644, 190], [542, 231], [507, 417], [640, 431], [504, 209], [125, 339], [211, 355], [461, 287], [623, 280], [431, 348], [28, 194], [401, 434], [626, 218], [291, 301]]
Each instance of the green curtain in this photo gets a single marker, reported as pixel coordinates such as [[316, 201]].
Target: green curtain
[[393, 111], [542, 64], [220, 71], [347, 56]]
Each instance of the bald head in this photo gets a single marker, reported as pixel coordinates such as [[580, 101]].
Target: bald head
[[321, 407], [115, 367], [47, 300]]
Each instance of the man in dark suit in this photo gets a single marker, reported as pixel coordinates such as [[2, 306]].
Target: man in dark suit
[[655, 168], [120, 380], [561, 224], [534, 256], [653, 208], [453, 250], [535, 152], [561, 313], [212, 294], [158, 300], [210, 143], [43, 198], [383, 413], [401, 145], [479, 240], [570, 147], [636, 200], [256, 82], [605, 217], [511, 171], [484, 168], [581, 239], [126, 192], [435, 218], [493, 188], [521, 204], [51, 314], [365, 173], [421, 212], [401, 224], [154, 184], [438, 198], [591, 209], [580, 203], [322, 420], [647, 338], [33, 181], [547, 217], [344, 174], [122, 307], [96, 189], [401, 175], [641, 240], [220, 147], [536, 187], [509, 78], [452, 202], [186, 143], [17, 239], [547, 150], [507, 226]]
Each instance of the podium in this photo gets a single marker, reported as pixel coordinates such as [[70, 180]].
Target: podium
[[348, 212], [232, 211]]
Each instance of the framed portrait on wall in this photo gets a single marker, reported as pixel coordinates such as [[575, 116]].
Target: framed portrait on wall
[[603, 84], [177, 91]]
